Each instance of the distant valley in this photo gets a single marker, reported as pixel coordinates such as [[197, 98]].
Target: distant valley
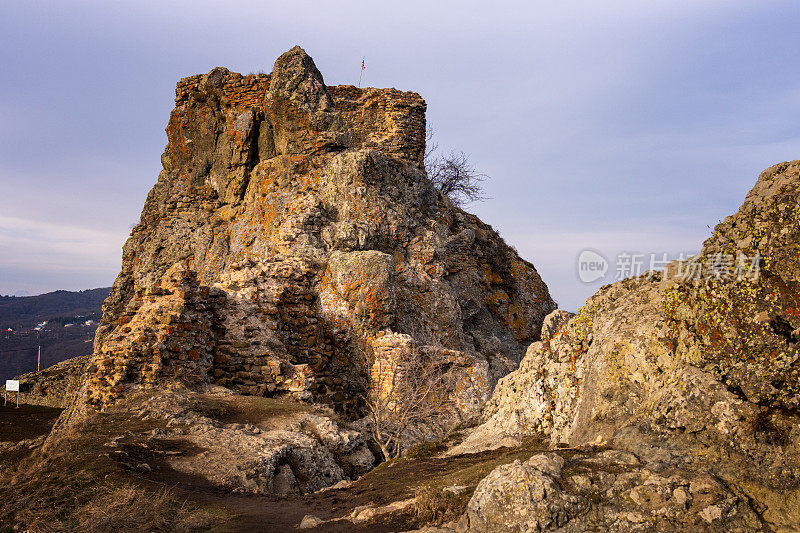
[[61, 322]]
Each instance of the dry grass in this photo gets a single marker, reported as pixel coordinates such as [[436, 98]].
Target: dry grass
[[126, 508], [72, 485], [435, 506], [426, 449], [428, 477]]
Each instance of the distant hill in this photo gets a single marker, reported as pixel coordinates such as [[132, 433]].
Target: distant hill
[[72, 320], [26, 311]]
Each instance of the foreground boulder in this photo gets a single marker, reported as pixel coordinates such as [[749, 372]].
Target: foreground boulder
[[698, 374], [606, 491], [523, 497]]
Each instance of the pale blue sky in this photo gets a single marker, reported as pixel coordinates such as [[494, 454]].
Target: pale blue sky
[[618, 126]]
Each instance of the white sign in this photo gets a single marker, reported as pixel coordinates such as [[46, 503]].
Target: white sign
[[12, 385]]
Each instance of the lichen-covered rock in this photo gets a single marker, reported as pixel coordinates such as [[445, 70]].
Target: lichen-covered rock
[[702, 371], [521, 497], [766, 223], [304, 227], [609, 490], [553, 323]]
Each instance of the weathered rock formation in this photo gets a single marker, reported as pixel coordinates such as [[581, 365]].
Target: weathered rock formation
[[609, 490], [291, 244], [696, 378], [284, 449], [292, 226]]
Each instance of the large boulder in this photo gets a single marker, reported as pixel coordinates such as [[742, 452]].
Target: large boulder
[[604, 491], [523, 497]]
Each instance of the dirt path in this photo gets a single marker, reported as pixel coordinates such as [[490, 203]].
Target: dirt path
[[269, 514], [390, 482]]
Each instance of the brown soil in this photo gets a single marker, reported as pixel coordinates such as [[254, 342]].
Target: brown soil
[[25, 422], [265, 413]]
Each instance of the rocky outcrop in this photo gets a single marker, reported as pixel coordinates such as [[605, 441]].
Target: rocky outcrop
[[523, 497], [291, 228], [607, 490], [283, 449], [684, 370], [291, 245]]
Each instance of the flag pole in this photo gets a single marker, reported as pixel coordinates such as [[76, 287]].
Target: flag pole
[[39, 359], [362, 71]]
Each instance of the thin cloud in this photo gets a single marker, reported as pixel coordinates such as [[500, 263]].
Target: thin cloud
[[45, 245]]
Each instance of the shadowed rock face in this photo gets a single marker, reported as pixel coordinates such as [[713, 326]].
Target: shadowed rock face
[[696, 378], [291, 227]]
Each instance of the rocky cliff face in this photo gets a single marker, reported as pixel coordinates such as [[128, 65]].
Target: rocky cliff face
[[698, 378], [293, 230]]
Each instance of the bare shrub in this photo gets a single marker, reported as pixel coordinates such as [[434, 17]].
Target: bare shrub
[[453, 174], [410, 390]]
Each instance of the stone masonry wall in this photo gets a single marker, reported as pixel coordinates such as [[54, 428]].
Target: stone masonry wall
[[165, 336], [384, 119], [274, 342], [396, 356], [241, 91]]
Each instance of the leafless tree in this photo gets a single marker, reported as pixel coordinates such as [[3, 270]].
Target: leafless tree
[[431, 147], [453, 175], [412, 389]]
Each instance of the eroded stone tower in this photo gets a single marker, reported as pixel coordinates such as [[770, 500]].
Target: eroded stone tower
[[291, 228]]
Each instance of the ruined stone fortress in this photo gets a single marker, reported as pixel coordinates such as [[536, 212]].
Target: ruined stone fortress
[[292, 238], [383, 119]]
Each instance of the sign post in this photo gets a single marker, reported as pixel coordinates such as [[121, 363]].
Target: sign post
[[11, 385]]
